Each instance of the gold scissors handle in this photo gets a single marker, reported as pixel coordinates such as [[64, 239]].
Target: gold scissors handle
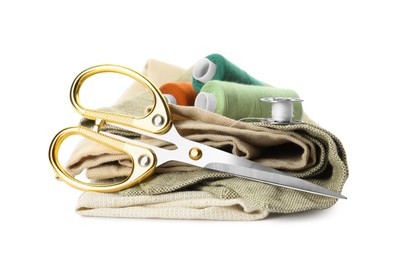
[[156, 121], [143, 160]]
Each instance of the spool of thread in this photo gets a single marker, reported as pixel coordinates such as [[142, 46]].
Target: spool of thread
[[239, 101], [282, 111], [180, 93], [216, 67]]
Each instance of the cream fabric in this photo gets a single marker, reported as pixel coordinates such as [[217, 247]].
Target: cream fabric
[[174, 205]]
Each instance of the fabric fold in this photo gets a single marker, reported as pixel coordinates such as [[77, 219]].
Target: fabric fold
[[198, 205]]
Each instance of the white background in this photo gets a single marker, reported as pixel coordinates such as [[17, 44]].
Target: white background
[[345, 58]]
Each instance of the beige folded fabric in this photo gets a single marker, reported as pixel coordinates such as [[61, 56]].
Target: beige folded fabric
[[173, 205], [161, 72], [180, 191]]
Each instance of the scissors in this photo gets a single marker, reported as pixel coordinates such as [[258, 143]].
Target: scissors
[[145, 158]]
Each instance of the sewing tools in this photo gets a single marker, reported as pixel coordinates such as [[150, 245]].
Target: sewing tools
[[179, 93], [239, 101], [146, 157], [216, 67]]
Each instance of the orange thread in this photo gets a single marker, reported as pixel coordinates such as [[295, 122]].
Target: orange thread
[[182, 91]]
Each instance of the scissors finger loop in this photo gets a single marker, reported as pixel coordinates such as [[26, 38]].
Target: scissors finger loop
[[157, 120], [143, 160]]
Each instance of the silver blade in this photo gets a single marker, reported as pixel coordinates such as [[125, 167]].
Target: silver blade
[[274, 178], [229, 163]]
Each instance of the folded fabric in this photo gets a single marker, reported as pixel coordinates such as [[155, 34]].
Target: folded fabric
[[173, 205], [180, 191], [304, 150], [153, 71], [161, 73]]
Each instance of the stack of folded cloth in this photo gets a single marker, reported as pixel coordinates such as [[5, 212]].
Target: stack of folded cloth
[[180, 191]]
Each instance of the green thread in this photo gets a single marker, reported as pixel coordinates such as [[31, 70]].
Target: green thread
[[239, 101], [227, 71]]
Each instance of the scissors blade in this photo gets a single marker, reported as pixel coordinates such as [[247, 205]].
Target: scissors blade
[[229, 163], [274, 178]]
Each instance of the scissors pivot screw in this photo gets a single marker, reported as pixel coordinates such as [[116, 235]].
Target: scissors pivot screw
[[144, 160], [195, 153], [98, 124], [158, 120]]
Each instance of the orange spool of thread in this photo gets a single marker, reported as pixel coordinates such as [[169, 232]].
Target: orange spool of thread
[[182, 92]]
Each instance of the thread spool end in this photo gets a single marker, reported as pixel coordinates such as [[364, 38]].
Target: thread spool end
[[204, 70], [206, 101], [170, 99]]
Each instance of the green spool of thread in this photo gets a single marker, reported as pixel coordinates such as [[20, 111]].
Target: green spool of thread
[[239, 101], [216, 67]]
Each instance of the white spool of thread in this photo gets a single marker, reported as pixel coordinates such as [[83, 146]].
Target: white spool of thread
[[282, 111], [204, 70], [206, 101], [170, 99]]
